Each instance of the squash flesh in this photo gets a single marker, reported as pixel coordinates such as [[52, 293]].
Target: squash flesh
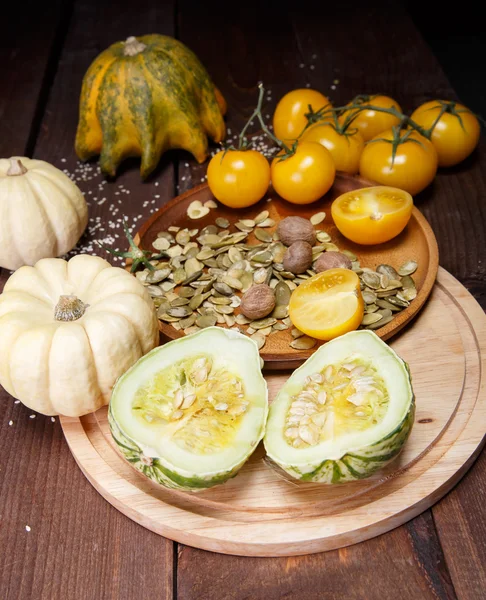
[[388, 407]]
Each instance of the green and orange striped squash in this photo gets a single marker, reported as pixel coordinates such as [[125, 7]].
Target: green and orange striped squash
[[143, 97]]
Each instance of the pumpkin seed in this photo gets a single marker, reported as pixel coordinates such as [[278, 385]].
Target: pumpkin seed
[[323, 237], [280, 312], [385, 304], [350, 255], [182, 237], [296, 333], [166, 317], [188, 321], [210, 204], [186, 292], [303, 343], [204, 321], [192, 265], [259, 339], [232, 282], [263, 236], [179, 311], [191, 330], [407, 294], [162, 310], [369, 297], [242, 320], [267, 223], [261, 216], [196, 301], [155, 291], [397, 302], [221, 222], [179, 302], [380, 323], [261, 275], [196, 210], [220, 300], [330, 247], [279, 327], [157, 276], [229, 320], [223, 309], [370, 308], [385, 312], [317, 218], [372, 280], [262, 323], [223, 288], [161, 243], [408, 267], [387, 270], [407, 282], [370, 318]]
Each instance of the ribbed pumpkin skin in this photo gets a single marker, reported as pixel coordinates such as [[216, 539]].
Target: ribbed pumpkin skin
[[142, 105]]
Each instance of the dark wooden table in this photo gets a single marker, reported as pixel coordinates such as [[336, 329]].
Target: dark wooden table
[[78, 546]]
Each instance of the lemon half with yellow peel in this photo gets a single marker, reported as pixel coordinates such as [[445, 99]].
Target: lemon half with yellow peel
[[328, 304]]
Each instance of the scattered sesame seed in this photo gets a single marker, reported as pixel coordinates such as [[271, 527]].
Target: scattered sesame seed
[[53, 419], [10, 423], [31, 416], [301, 66], [312, 67], [27, 528], [17, 402], [336, 81], [333, 87]]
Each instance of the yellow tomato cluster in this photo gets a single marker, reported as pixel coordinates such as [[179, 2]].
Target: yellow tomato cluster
[[369, 136]]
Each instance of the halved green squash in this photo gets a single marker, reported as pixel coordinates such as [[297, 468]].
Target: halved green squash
[[344, 414], [190, 413]]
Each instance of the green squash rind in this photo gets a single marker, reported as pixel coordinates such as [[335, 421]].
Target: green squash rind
[[163, 472], [157, 471], [353, 466], [356, 465]]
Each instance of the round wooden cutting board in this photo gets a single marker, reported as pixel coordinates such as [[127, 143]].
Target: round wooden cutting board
[[417, 242], [258, 513]]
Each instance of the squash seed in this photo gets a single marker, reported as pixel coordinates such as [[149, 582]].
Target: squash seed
[[179, 311], [323, 237], [262, 323], [408, 267], [188, 321], [204, 321], [407, 294], [372, 280], [303, 343], [370, 318], [221, 222], [161, 243], [267, 223], [259, 339], [317, 218], [387, 270], [380, 323], [263, 236]]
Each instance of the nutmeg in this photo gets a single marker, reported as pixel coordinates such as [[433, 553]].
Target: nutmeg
[[332, 260], [298, 257], [296, 229], [258, 301]]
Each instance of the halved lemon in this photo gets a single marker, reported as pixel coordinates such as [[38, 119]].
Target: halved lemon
[[328, 304], [372, 215]]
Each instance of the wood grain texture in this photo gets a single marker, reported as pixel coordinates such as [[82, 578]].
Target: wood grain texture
[[417, 242], [78, 547], [259, 513], [238, 52]]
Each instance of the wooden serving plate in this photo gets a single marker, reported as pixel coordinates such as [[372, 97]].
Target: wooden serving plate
[[258, 513], [417, 242]]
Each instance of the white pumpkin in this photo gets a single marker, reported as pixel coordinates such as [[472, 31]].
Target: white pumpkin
[[42, 212], [68, 330]]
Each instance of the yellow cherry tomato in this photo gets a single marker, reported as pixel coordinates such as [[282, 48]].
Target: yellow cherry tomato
[[328, 304], [305, 176], [289, 118], [345, 148], [412, 168], [238, 178], [372, 122], [372, 215], [455, 134]]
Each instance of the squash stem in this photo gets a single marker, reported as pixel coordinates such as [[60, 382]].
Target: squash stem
[[16, 167], [69, 308]]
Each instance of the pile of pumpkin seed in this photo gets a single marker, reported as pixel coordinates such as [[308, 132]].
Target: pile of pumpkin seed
[[200, 282]]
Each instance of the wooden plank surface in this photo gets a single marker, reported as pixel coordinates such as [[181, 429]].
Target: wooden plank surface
[[77, 546], [40, 485]]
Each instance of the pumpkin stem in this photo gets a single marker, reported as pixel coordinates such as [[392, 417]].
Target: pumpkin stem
[[69, 308], [133, 46], [16, 167]]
